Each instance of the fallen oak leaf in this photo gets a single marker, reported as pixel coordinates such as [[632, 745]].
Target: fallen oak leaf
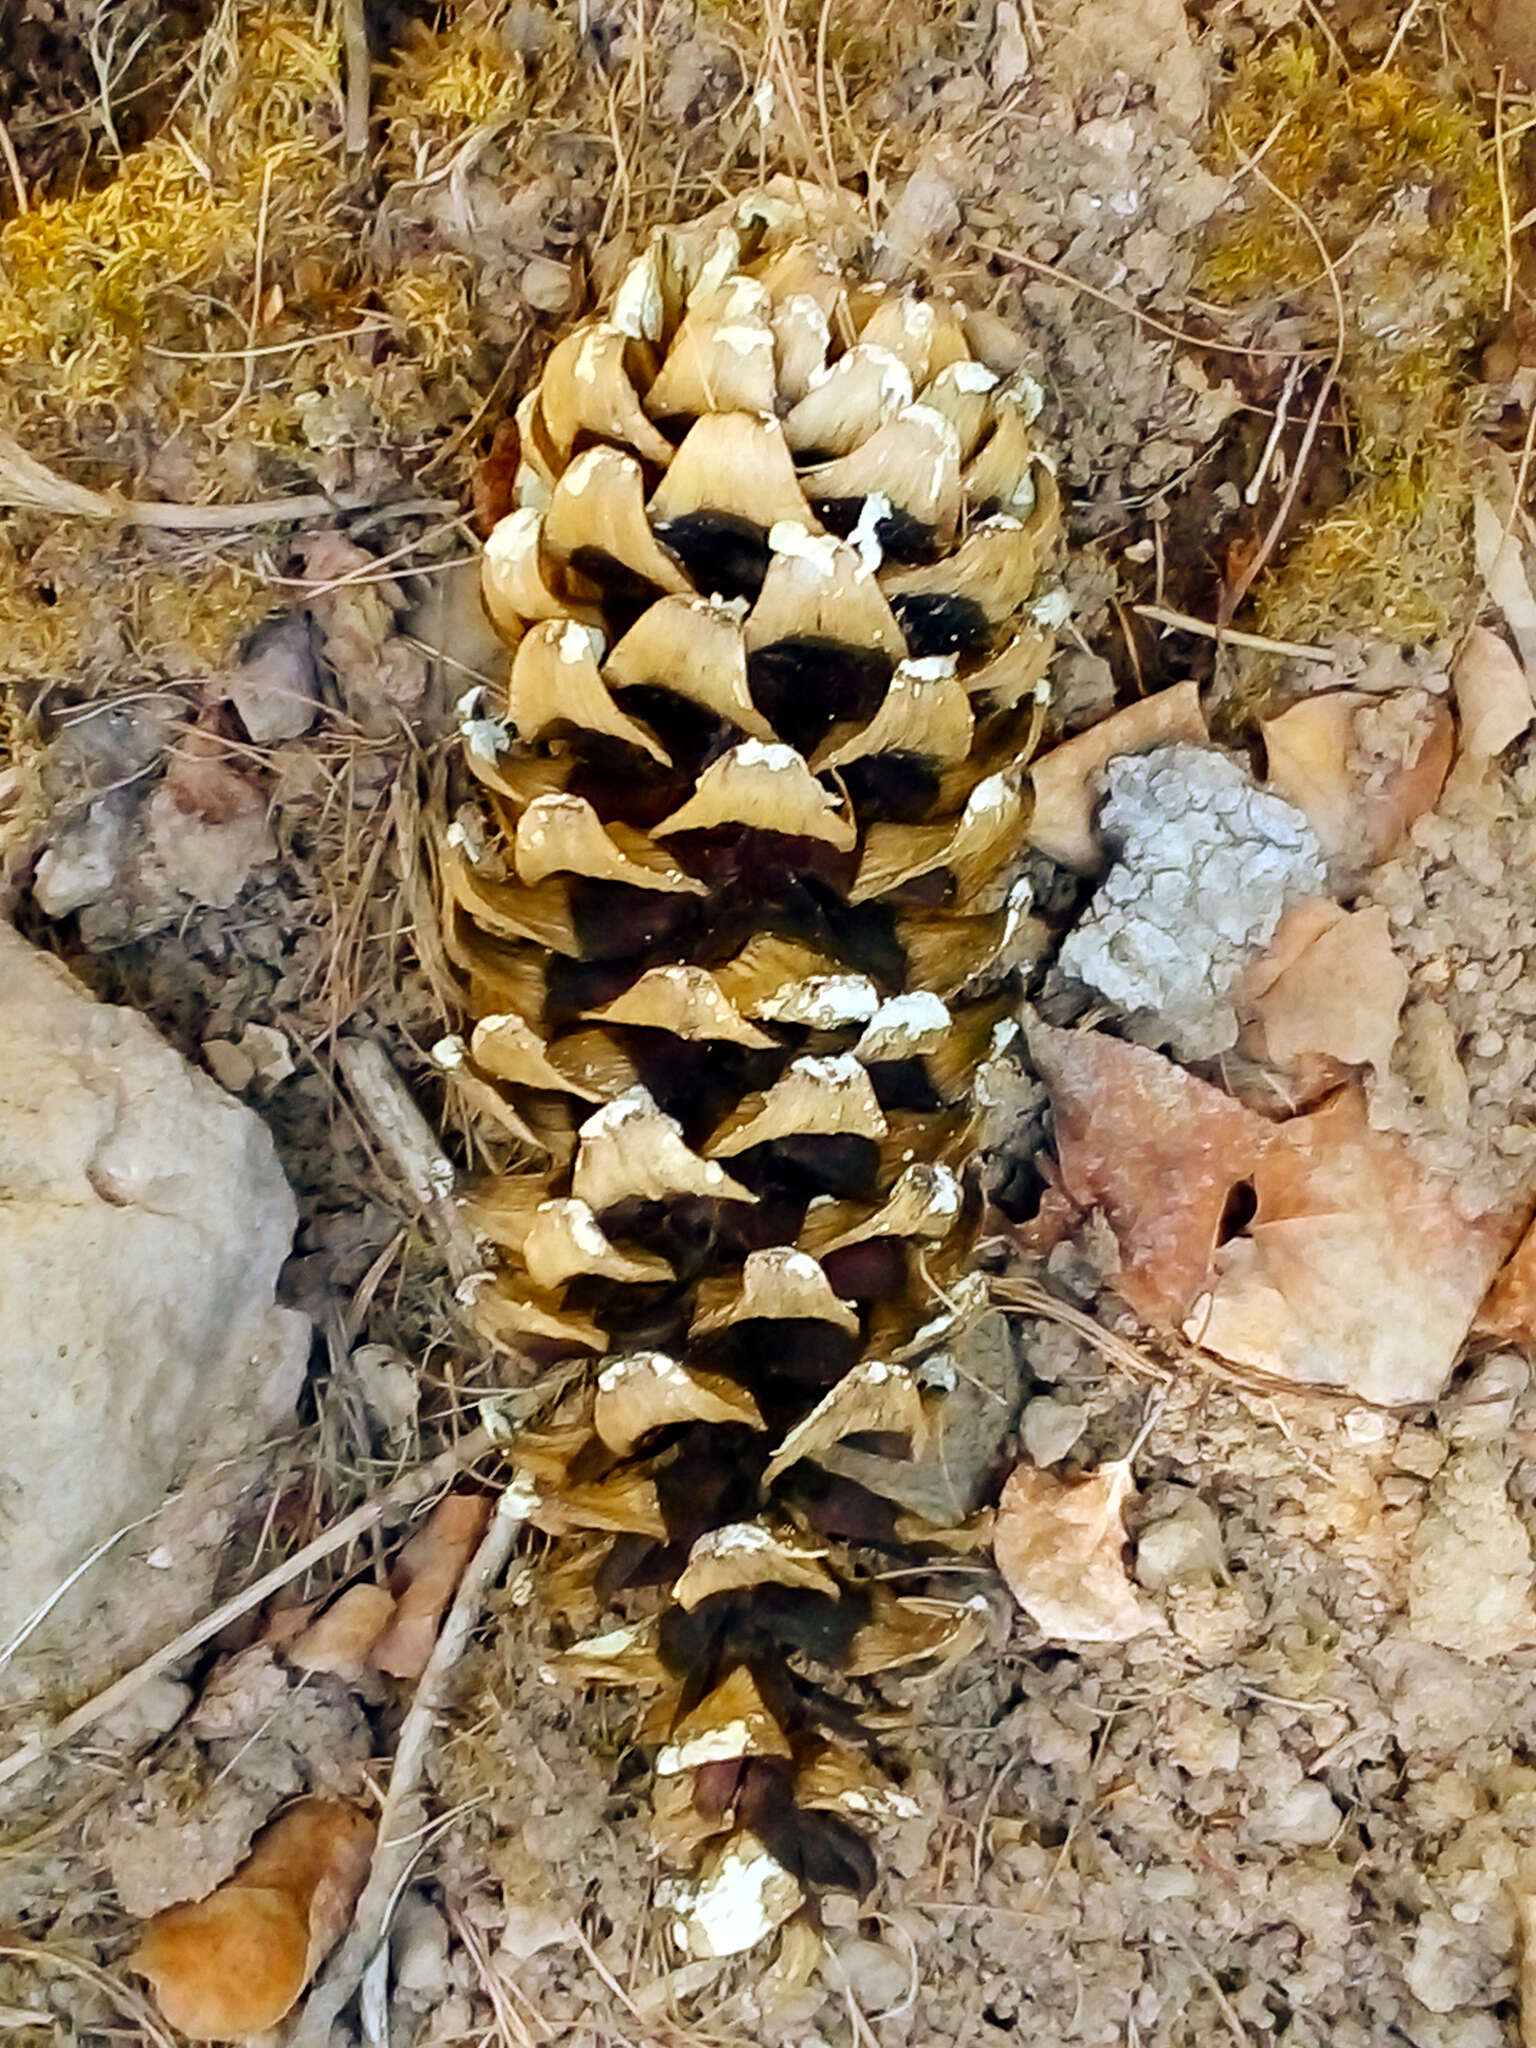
[[1356, 1271], [204, 783], [425, 1575], [1508, 1310], [1493, 694], [1359, 810], [1059, 1546], [1501, 564], [1158, 1151], [234, 1963]]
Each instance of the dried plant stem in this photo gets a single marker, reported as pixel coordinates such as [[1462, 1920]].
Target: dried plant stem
[[17, 1949], [1125, 306], [1182, 621], [1026, 1297], [406, 1493], [1233, 596], [13, 169], [1501, 168], [359, 69], [27, 485], [405, 1134], [396, 1847]]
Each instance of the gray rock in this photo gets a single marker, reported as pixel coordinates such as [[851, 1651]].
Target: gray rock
[[143, 1220], [954, 1475], [276, 688]]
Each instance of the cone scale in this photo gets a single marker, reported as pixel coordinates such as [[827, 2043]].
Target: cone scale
[[737, 926]]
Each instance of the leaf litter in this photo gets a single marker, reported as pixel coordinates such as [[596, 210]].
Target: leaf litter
[[1300, 1805]]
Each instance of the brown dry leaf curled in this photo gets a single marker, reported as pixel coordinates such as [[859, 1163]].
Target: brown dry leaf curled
[[1153, 1148], [1067, 780], [1493, 696], [1359, 816], [1509, 1310], [1356, 1271], [340, 1639], [1329, 984], [234, 1963], [1060, 1545], [428, 1569]]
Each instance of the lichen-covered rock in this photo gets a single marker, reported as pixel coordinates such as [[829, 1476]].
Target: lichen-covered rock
[[143, 1221], [1206, 863]]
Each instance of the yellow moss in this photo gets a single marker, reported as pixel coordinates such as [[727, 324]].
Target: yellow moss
[[84, 280], [1375, 149], [1397, 176], [470, 83], [1395, 557], [203, 615], [449, 81], [431, 310]]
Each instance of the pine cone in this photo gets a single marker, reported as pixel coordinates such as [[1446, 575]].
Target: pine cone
[[738, 931]]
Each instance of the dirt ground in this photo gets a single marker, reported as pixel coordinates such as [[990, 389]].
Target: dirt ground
[[1302, 1807]]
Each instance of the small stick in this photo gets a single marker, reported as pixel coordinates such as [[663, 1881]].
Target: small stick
[[1028, 1298], [393, 1848], [1301, 649], [31, 486], [1277, 428], [1124, 306], [1405, 22], [405, 1493], [1233, 597], [359, 65], [13, 166], [1503, 175], [407, 1137]]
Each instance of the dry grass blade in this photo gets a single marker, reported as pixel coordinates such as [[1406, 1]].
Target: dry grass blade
[[406, 1493], [134, 2008], [1025, 1297], [1233, 596], [27, 485]]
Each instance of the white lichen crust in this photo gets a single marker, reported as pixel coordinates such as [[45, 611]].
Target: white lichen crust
[[1205, 865]]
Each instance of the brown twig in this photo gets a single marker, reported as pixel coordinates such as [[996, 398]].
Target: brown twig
[[13, 168], [1502, 169], [395, 1847], [1027, 1298], [31, 486], [128, 2002], [1182, 622], [407, 1137], [359, 66], [1125, 306]]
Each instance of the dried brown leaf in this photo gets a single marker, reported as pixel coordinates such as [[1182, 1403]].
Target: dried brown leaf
[[233, 1964], [1493, 694], [1066, 781], [1508, 1311], [1359, 817], [1329, 984], [1156, 1150], [339, 1640], [428, 1570], [1356, 1271], [1060, 1545]]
